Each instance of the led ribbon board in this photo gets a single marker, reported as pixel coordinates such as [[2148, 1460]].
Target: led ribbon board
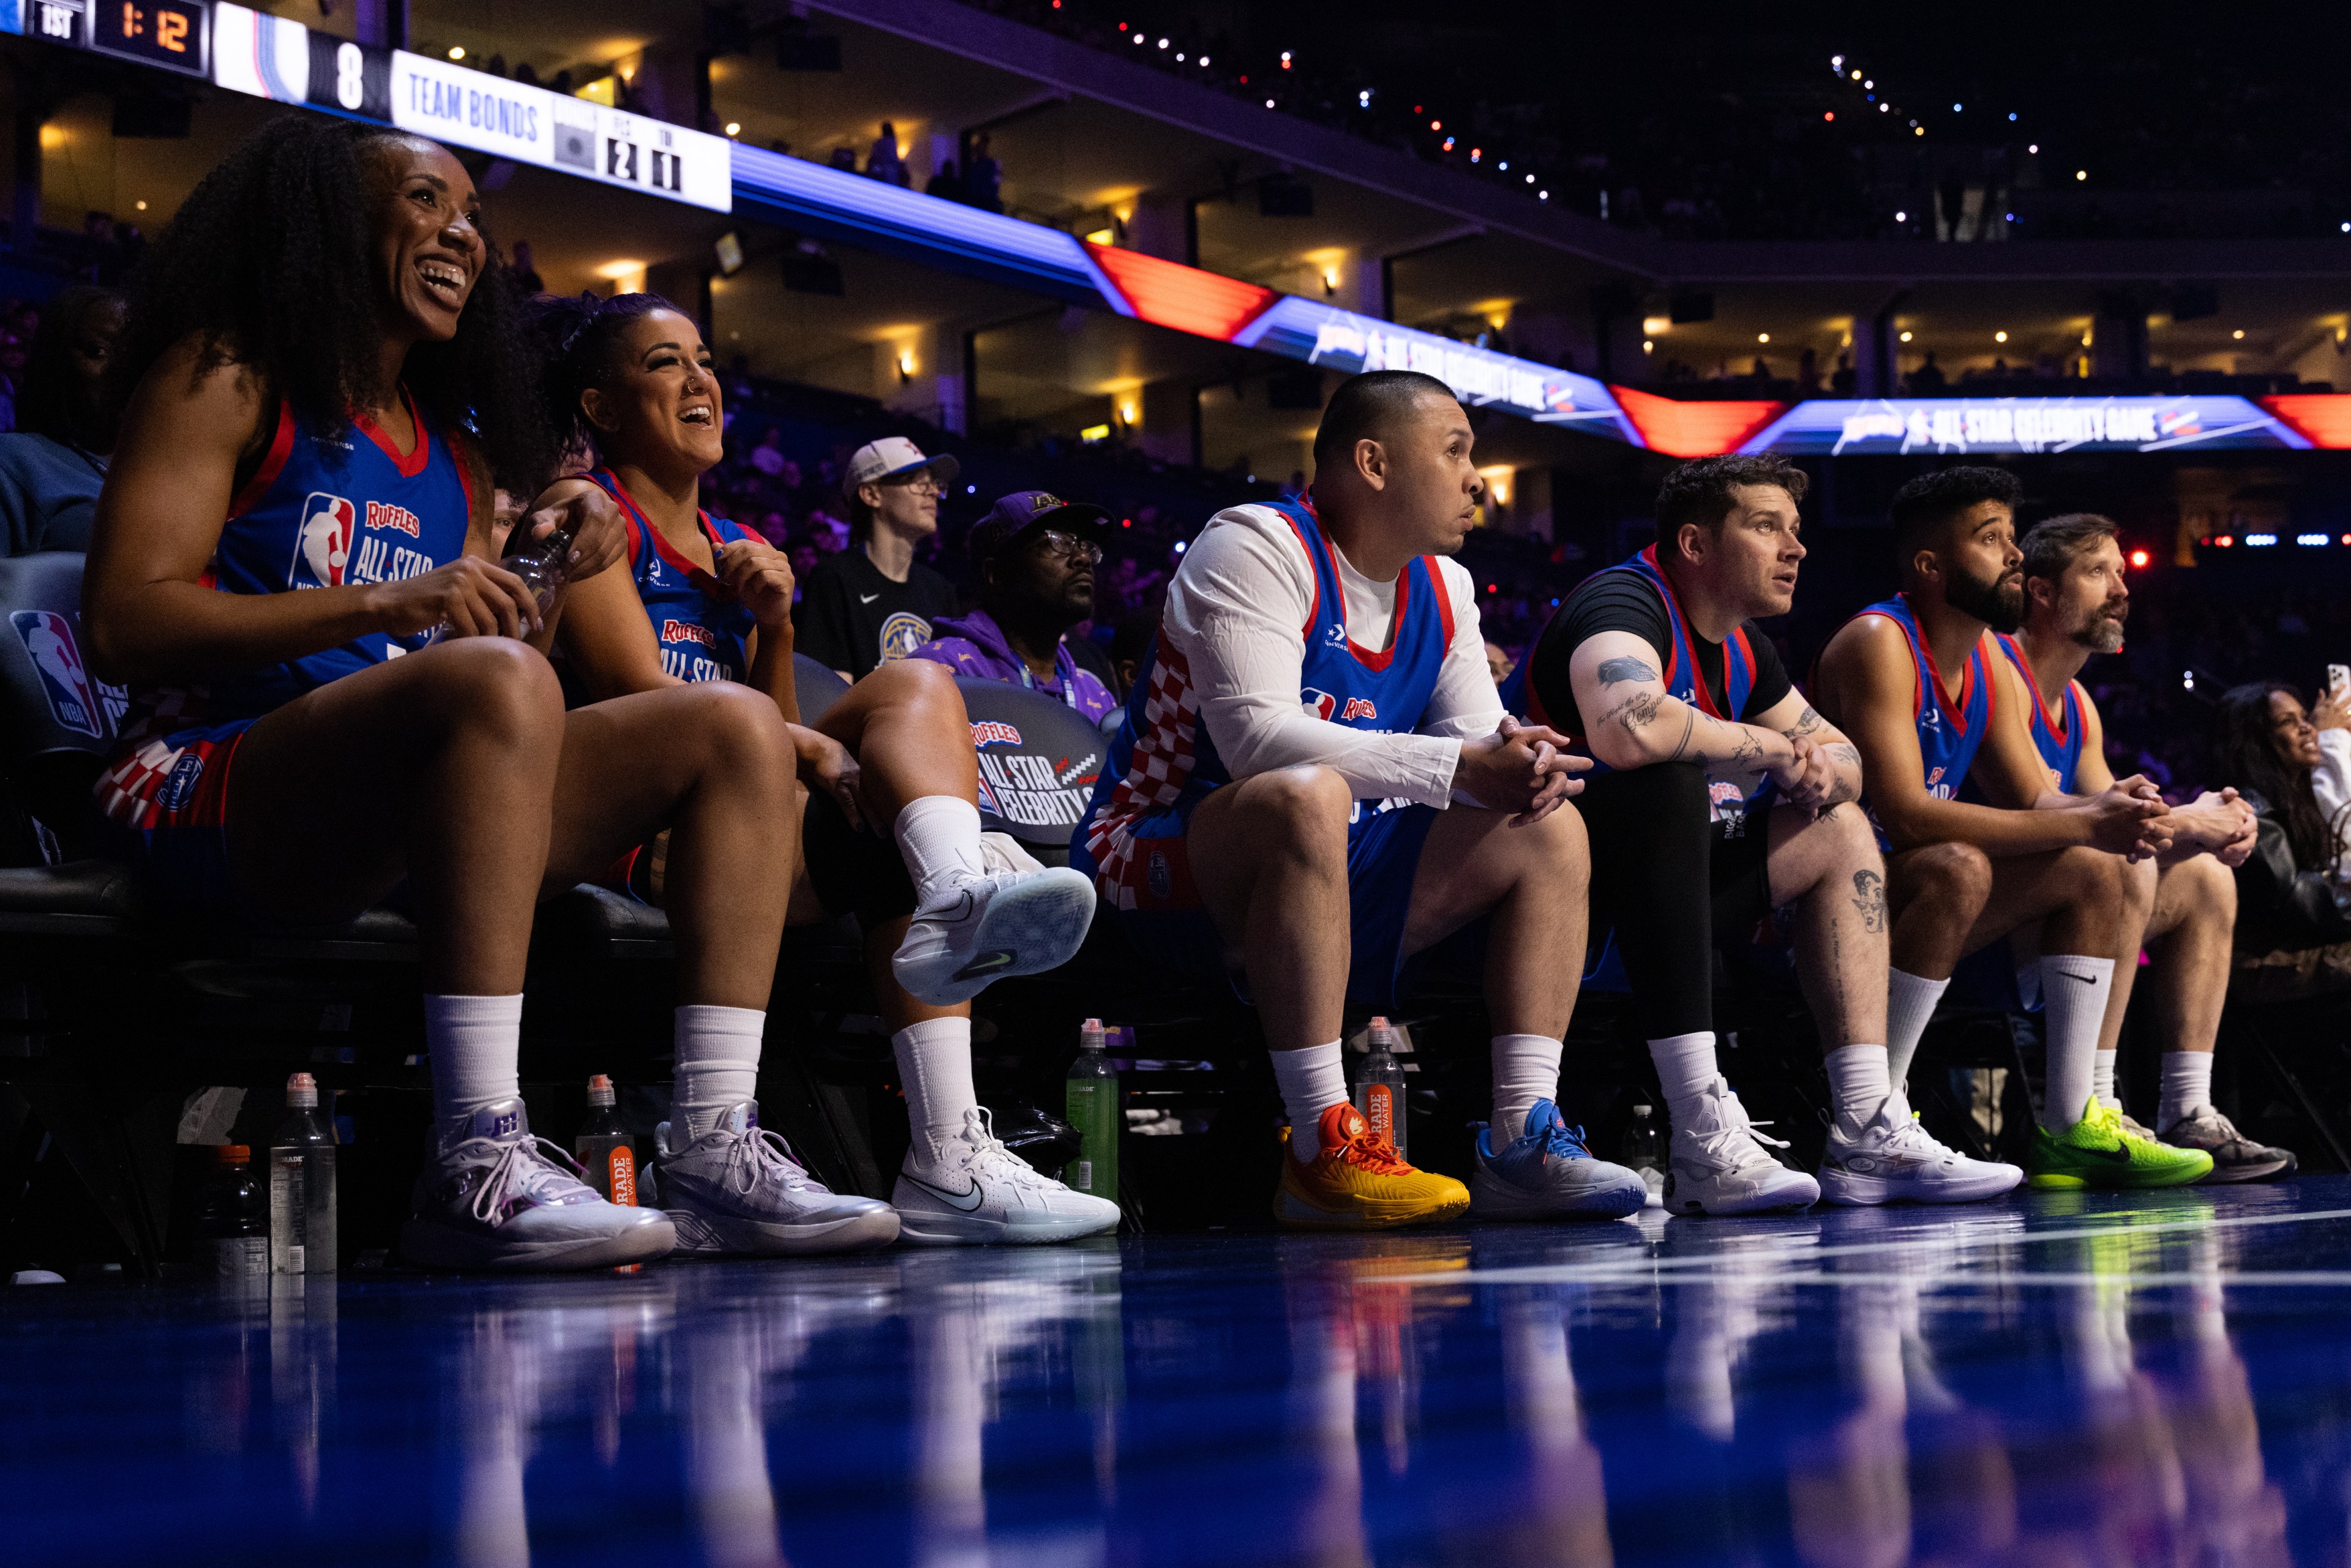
[[1843, 427]]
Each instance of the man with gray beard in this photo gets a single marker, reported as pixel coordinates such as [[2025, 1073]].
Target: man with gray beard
[[2075, 604]]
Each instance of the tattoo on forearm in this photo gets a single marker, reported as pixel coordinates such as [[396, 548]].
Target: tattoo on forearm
[[1869, 898], [1614, 672], [1807, 723], [1841, 752], [1690, 723], [1748, 751]]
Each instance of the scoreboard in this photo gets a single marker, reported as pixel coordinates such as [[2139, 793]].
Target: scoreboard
[[252, 52]]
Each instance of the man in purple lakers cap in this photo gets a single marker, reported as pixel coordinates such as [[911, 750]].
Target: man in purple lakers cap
[[1034, 556]]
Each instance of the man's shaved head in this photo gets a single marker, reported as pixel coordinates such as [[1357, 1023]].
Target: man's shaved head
[[1367, 407]]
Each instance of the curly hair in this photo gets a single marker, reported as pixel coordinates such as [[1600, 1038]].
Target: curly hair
[[2246, 739], [575, 336], [1925, 505], [267, 264]]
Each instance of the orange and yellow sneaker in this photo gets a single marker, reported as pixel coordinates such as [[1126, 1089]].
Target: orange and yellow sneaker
[[1358, 1183]]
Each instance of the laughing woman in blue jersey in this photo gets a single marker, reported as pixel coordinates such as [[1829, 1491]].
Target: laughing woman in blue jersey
[[707, 601], [336, 689]]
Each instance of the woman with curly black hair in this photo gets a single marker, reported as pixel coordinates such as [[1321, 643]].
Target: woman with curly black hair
[[337, 688], [703, 600]]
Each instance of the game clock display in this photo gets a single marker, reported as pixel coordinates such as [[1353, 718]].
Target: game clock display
[[168, 33]]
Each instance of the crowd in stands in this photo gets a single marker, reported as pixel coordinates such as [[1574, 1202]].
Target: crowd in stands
[[1759, 137]]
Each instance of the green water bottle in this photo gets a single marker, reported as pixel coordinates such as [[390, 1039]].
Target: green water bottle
[[1095, 1110]]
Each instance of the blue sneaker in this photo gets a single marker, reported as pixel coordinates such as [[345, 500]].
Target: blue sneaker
[[1548, 1174]]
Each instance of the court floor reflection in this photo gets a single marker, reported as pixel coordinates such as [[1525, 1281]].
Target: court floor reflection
[[2128, 1380]]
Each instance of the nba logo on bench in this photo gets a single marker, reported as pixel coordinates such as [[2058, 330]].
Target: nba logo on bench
[[322, 545], [48, 638]]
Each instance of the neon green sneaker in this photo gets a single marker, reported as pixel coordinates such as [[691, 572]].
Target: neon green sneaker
[[2099, 1150]]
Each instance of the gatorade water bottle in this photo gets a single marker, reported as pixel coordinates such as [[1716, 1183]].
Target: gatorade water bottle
[[302, 1185], [1094, 1109], [1379, 1095], [605, 1148], [1645, 1151], [232, 1219]]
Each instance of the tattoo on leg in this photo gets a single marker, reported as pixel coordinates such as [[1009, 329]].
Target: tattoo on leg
[[1869, 898], [1613, 670]]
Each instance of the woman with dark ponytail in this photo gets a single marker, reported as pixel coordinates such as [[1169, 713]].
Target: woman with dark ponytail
[[705, 601], [337, 688], [2293, 766]]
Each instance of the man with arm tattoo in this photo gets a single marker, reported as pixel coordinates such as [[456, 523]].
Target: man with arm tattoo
[[1920, 683], [1719, 796]]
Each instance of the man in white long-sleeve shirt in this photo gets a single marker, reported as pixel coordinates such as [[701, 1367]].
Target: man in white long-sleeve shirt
[[1315, 780]]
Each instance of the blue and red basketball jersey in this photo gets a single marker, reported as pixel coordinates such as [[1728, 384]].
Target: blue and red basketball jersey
[[1163, 761], [2057, 735], [1949, 732], [323, 511], [1682, 679], [703, 636]]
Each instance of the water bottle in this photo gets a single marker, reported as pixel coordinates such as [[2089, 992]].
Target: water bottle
[[541, 565], [1645, 1151], [1379, 1092], [605, 1148], [231, 1220], [302, 1185], [1094, 1109]]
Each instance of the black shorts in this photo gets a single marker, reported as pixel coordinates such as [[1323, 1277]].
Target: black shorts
[[1738, 877]]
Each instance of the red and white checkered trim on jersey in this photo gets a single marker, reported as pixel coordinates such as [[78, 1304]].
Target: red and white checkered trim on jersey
[[1158, 770], [127, 791]]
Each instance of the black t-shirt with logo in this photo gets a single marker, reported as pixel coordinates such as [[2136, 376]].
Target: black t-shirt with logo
[[852, 618]]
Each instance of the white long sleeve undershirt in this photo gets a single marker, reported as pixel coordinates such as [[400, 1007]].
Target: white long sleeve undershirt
[[1235, 611]]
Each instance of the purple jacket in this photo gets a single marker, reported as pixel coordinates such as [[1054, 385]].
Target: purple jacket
[[973, 646]]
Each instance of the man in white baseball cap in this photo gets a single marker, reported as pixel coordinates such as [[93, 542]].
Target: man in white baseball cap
[[874, 602]]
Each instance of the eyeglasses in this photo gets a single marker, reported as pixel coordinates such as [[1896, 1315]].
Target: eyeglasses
[[922, 483], [1076, 551]]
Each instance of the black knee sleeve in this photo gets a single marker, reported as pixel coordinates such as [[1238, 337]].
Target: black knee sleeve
[[1650, 847]]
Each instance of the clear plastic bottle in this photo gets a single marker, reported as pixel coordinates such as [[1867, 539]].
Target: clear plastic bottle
[[1645, 1151], [543, 567], [302, 1185], [232, 1219], [1379, 1092], [605, 1148], [1093, 1108]]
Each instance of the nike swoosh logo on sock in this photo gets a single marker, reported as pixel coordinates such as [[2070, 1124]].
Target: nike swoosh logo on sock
[[965, 1202], [2071, 975]]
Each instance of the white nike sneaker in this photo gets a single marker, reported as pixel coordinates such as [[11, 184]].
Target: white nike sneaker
[[491, 1196], [1011, 923], [1892, 1159], [978, 1190], [1720, 1166], [737, 1189]]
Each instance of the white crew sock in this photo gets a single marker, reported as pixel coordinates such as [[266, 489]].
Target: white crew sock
[[939, 836], [1685, 1068], [474, 1045], [1909, 1003], [1859, 1082], [717, 1065], [935, 1071], [2187, 1085], [1312, 1081], [2074, 991], [2101, 1078], [1526, 1069]]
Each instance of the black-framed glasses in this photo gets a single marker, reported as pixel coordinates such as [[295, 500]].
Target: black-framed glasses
[[922, 482], [1068, 547]]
